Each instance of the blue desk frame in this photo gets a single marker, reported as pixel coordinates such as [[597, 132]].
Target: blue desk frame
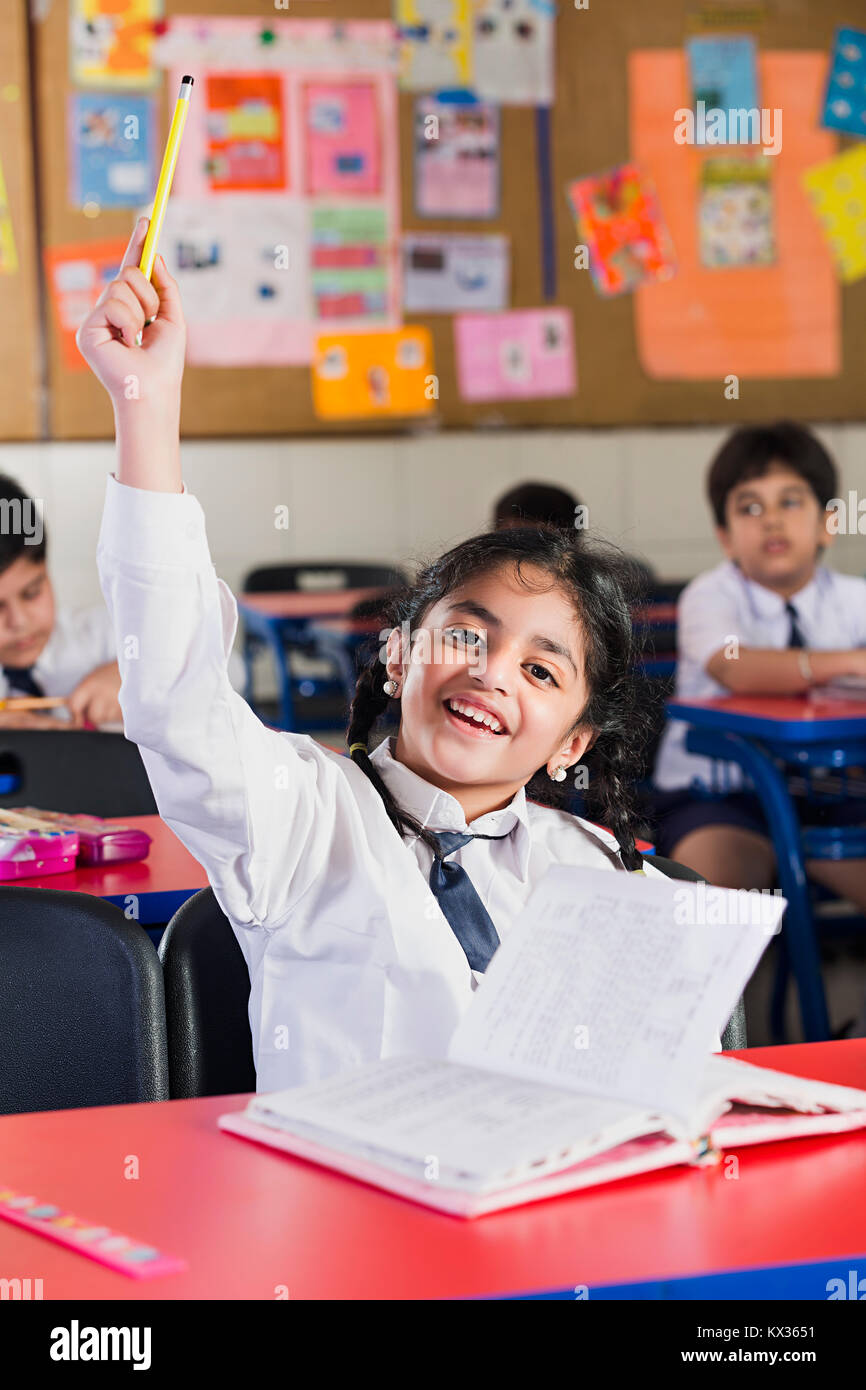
[[757, 743]]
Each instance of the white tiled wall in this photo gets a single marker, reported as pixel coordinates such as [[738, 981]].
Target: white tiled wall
[[404, 499]]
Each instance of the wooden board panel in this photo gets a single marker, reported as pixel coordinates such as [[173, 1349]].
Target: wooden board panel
[[20, 337]]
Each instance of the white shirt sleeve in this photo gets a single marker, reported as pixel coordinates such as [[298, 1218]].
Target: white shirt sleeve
[[248, 802], [707, 619]]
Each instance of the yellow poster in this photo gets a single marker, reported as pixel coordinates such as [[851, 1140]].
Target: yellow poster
[[110, 42], [359, 375], [8, 254], [838, 193]]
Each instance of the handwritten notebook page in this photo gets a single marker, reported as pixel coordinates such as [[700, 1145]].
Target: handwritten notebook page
[[467, 1126], [600, 989]]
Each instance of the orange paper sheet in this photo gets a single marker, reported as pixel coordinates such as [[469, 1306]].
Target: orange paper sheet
[[780, 320], [358, 375]]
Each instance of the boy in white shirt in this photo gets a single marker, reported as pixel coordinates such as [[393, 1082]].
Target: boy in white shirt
[[769, 620], [45, 650]]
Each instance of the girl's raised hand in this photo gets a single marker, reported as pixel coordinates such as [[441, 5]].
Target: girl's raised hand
[[107, 337]]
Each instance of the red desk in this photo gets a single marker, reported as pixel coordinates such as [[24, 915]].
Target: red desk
[[161, 882], [247, 1219]]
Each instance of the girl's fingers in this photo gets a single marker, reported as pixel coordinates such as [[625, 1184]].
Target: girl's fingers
[[119, 289], [142, 289], [121, 317], [132, 254], [170, 307]]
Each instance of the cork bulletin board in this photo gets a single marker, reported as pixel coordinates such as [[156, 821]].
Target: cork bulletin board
[[628, 350], [20, 341]]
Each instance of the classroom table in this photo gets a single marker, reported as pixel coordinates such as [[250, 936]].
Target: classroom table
[[161, 882], [285, 617], [248, 1219], [759, 733]]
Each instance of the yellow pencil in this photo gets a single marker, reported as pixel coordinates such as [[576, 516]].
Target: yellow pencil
[[166, 174]]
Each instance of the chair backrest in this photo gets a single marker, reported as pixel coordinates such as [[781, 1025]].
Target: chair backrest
[[75, 770], [315, 575], [734, 1035], [207, 991], [82, 1012]]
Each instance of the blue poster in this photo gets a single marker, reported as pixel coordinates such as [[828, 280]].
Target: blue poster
[[845, 101], [724, 76], [111, 155]]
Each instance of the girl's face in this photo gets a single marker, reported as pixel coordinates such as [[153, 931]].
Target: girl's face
[[492, 646]]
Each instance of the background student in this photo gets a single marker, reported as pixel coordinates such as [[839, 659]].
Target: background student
[[771, 619], [368, 893], [45, 648]]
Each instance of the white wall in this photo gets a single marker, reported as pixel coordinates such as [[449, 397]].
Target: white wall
[[403, 499]]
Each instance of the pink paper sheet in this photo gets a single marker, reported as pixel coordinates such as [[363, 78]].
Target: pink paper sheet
[[520, 355]]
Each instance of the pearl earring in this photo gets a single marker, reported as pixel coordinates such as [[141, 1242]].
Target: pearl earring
[[558, 776], [390, 687]]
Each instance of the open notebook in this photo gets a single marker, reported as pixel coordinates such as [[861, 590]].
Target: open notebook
[[583, 1057]]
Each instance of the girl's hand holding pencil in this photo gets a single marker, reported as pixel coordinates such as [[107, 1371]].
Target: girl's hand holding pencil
[[143, 382]]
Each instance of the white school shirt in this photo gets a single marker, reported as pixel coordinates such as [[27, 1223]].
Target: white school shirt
[[350, 957], [722, 605], [80, 641]]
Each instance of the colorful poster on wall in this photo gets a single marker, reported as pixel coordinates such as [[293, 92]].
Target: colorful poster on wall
[[111, 42], [724, 77], [349, 261], [435, 38], [362, 375], [512, 51], [77, 273], [845, 97], [780, 319], [343, 138], [242, 265], [246, 138], [8, 253], [111, 149], [620, 221], [315, 107], [736, 212], [837, 190], [524, 354], [457, 159], [449, 273]]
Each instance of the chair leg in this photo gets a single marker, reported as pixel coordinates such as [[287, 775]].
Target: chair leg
[[779, 995]]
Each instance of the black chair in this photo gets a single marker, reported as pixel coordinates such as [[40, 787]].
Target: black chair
[[82, 1012], [734, 1035], [207, 993], [314, 575], [75, 770]]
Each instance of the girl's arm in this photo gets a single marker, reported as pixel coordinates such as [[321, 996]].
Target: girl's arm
[[248, 802]]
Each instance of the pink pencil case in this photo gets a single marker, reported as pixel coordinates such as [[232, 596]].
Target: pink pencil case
[[99, 842], [30, 853]]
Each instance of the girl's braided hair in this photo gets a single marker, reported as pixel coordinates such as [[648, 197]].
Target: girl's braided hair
[[602, 583]]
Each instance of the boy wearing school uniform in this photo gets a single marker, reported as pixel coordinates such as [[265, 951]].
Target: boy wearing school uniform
[[46, 649], [771, 619]]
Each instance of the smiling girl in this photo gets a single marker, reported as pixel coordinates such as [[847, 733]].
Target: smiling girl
[[364, 904]]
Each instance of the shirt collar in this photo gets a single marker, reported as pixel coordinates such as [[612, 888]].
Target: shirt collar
[[442, 811], [768, 604]]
